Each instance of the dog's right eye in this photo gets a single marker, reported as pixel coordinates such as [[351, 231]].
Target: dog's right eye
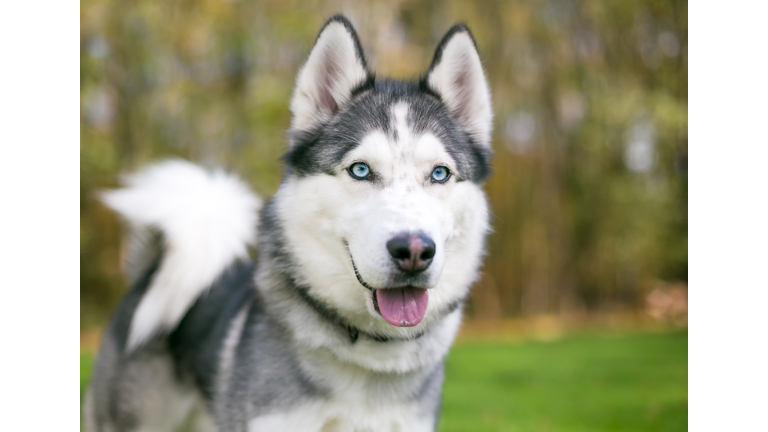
[[359, 171]]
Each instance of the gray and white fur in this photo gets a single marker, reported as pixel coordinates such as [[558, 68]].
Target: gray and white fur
[[381, 200]]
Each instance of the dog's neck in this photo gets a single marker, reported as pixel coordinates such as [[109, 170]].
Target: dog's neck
[[315, 326]]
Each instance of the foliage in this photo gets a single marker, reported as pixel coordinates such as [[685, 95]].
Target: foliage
[[589, 195]]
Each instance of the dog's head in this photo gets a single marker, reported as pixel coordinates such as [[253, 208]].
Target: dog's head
[[381, 208]]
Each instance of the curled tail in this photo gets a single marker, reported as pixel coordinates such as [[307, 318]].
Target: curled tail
[[205, 220]]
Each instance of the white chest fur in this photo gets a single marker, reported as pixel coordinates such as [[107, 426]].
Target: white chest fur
[[358, 400], [338, 415]]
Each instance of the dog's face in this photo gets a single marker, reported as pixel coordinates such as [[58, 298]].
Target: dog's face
[[381, 208]]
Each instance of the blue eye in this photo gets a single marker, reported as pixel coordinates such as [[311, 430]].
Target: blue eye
[[440, 174], [359, 171]]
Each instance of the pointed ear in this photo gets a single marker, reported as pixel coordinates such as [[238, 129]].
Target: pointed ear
[[334, 69], [457, 76]]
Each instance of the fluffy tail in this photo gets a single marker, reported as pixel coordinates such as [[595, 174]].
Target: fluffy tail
[[206, 220]]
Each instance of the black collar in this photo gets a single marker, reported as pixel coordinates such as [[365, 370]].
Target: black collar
[[330, 314]]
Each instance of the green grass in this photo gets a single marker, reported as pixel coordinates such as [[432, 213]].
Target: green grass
[[627, 382], [595, 382], [86, 366]]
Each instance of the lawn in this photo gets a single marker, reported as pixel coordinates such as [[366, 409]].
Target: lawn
[[603, 382], [590, 383]]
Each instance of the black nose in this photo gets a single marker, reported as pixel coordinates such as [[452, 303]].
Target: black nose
[[412, 252]]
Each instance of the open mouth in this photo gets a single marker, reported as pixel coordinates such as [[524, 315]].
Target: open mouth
[[401, 307]]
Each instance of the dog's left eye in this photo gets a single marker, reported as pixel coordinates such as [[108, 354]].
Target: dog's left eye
[[440, 174], [359, 171]]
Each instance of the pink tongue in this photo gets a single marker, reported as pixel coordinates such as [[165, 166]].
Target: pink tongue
[[402, 307]]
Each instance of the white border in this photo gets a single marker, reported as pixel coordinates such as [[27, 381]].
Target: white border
[[728, 208], [39, 240]]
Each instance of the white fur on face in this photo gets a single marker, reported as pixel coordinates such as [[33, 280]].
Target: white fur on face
[[323, 214], [326, 81], [406, 200], [460, 81]]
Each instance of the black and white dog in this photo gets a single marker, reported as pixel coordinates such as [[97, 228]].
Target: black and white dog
[[366, 255]]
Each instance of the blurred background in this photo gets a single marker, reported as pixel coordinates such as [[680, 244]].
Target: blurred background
[[589, 195]]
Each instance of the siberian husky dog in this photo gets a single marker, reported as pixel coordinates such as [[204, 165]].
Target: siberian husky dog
[[366, 255]]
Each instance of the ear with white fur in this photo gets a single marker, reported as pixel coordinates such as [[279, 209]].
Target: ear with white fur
[[335, 67], [457, 76]]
